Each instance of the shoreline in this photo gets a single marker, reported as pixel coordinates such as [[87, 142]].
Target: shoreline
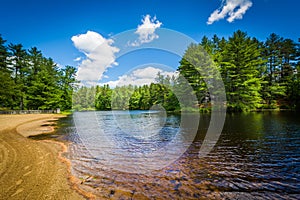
[[73, 181], [35, 169]]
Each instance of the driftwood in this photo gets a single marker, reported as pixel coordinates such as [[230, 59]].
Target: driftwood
[[87, 179]]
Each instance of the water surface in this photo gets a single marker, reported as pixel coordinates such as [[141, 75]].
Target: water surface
[[256, 157]]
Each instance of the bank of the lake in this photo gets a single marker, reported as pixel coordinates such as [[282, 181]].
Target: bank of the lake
[[31, 169]]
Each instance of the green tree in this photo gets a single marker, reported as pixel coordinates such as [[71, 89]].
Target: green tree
[[272, 53], [241, 60], [19, 63], [67, 81], [47, 86], [198, 68], [84, 98], [103, 98], [6, 82], [272, 89], [190, 71], [3, 54]]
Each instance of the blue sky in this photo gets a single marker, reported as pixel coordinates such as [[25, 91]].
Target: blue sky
[[50, 25]]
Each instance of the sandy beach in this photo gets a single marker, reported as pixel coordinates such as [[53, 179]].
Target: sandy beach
[[31, 169]]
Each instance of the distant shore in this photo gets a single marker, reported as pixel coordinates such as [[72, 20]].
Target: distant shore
[[34, 169]]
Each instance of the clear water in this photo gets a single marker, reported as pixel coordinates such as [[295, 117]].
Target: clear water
[[256, 157]]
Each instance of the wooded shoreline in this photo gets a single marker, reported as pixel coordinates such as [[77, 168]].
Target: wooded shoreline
[[256, 75]]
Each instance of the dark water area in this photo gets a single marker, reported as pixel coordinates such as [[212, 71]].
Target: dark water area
[[64, 127], [256, 157]]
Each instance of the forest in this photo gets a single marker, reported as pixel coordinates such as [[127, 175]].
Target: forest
[[30, 81], [256, 75]]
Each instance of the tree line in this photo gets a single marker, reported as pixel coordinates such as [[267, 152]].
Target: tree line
[[256, 75], [126, 97], [30, 81]]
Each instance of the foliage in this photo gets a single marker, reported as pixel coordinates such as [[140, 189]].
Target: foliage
[[256, 74], [28, 80], [125, 97]]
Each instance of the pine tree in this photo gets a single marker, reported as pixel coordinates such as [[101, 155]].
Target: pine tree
[[197, 68], [6, 82], [241, 60], [67, 80], [103, 98], [19, 63]]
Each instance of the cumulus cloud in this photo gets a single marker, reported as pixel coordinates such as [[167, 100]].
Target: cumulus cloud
[[146, 30], [99, 52], [234, 9], [139, 77]]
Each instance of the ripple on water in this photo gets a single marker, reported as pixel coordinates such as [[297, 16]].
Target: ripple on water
[[257, 156]]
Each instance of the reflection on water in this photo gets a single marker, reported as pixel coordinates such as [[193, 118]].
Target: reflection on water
[[256, 157]]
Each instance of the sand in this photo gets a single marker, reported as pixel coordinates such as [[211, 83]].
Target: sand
[[31, 169]]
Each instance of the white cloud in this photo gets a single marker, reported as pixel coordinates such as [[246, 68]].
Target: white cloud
[[234, 9], [99, 52], [146, 30], [139, 77], [60, 66], [77, 59]]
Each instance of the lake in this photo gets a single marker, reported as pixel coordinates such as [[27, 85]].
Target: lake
[[256, 157]]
